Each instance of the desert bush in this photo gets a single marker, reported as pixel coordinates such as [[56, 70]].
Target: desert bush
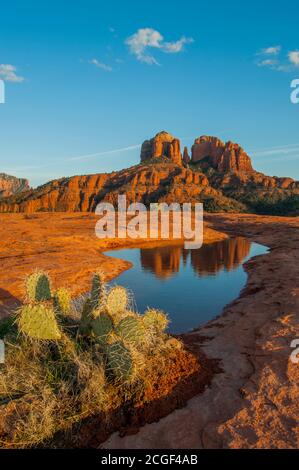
[[57, 373]]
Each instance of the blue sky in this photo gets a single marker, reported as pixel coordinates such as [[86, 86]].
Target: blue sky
[[88, 81]]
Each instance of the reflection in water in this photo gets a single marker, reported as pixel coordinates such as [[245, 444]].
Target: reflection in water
[[192, 286], [164, 261]]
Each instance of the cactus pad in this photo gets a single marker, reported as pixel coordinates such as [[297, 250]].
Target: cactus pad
[[62, 301], [38, 321], [131, 330], [117, 301], [98, 292], [101, 326], [119, 363], [155, 320], [38, 287], [85, 323]]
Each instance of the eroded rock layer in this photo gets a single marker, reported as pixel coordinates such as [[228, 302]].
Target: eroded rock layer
[[220, 175], [10, 185]]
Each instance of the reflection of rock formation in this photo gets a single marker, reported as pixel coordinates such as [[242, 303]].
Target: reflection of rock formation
[[162, 261], [227, 254], [209, 259]]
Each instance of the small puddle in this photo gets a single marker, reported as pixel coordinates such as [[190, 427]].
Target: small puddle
[[192, 286]]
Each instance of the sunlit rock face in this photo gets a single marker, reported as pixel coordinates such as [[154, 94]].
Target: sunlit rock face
[[162, 145], [221, 156], [186, 157], [10, 185], [219, 175]]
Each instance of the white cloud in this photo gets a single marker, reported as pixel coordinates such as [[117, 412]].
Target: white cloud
[[272, 50], [271, 57], [101, 65], [267, 63], [145, 38], [8, 73], [294, 57]]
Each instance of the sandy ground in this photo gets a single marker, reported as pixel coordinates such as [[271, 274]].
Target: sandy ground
[[254, 401]]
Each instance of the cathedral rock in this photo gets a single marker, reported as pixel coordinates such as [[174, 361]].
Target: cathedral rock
[[221, 156], [162, 145]]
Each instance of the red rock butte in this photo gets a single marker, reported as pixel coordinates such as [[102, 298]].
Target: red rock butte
[[10, 185], [163, 144], [218, 174], [221, 156]]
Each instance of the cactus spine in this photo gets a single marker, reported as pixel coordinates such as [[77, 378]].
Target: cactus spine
[[132, 331], [155, 320], [119, 365]]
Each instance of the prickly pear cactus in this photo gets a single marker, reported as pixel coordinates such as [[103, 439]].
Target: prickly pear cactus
[[131, 330], [102, 326], [38, 321], [98, 292], [62, 301], [117, 302], [38, 287], [119, 364], [85, 322], [155, 320]]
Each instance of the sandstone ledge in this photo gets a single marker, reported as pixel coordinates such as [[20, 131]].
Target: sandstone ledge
[[253, 403]]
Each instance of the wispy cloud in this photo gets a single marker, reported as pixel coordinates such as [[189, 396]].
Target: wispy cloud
[[107, 152], [146, 39], [101, 65], [280, 151], [64, 160], [271, 57], [8, 73], [272, 50], [268, 63]]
